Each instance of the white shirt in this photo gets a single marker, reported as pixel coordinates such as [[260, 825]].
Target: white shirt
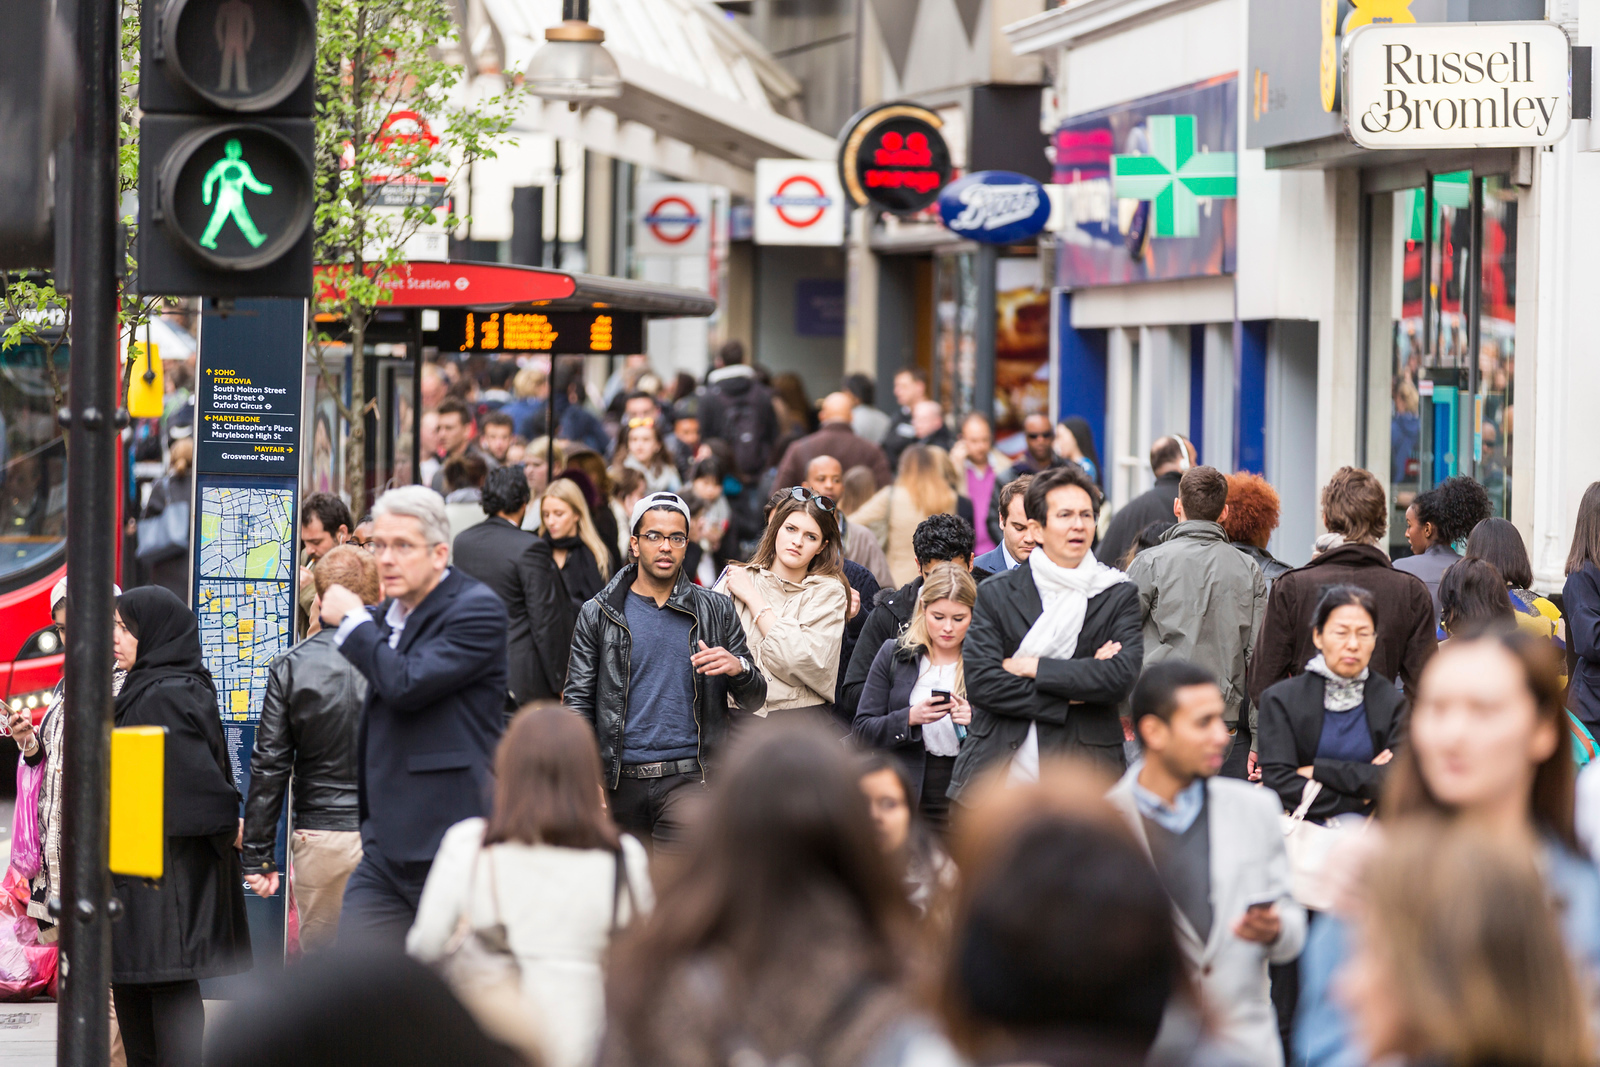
[[938, 737], [396, 617]]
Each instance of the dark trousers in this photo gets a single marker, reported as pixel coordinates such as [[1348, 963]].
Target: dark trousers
[[1237, 762], [163, 1025], [934, 803], [380, 899], [657, 810]]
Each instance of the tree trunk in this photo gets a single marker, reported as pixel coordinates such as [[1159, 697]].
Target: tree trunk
[[355, 450]]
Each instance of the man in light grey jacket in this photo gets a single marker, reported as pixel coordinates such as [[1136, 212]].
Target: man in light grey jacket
[[1217, 847], [1202, 600]]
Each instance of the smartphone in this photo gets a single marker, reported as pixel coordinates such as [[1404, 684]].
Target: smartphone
[[1261, 902], [940, 696]]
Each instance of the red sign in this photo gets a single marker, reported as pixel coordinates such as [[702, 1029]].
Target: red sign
[[672, 220], [893, 157], [436, 285]]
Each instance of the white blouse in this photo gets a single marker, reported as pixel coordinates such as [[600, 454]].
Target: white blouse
[[939, 736]]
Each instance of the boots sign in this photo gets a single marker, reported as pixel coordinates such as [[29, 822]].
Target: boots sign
[[1457, 85]]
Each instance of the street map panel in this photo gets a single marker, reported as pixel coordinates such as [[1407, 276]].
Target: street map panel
[[245, 591]]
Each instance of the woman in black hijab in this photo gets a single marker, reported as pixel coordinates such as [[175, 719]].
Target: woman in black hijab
[[191, 924]]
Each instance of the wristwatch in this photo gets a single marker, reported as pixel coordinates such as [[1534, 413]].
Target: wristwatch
[[744, 665]]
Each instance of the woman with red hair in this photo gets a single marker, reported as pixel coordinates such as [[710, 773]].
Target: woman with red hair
[[1251, 517]]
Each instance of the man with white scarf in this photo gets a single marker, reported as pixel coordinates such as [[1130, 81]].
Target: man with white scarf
[[1055, 645]]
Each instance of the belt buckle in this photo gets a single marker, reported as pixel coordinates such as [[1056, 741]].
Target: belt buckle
[[650, 770]]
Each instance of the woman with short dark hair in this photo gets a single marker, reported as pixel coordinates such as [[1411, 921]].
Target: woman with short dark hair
[[1497, 541], [549, 872], [1473, 597], [1435, 521], [1339, 722]]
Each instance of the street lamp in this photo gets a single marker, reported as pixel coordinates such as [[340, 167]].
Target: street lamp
[[573, 64]]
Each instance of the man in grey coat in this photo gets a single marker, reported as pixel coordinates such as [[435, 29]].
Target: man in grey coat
[[1202, 600], [1218, 849]]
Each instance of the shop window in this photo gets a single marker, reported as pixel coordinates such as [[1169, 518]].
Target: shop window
[[1441, 272]]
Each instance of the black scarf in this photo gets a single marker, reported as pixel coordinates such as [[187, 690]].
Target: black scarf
[[169, 642], [565, 543]]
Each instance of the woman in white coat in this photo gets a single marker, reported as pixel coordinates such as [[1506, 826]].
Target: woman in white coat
[[550, 867]]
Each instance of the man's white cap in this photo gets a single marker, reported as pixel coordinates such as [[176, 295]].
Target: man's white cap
[[59, 593], [657, 500]]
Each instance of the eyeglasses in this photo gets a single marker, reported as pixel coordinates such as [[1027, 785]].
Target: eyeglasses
[[655, 537], [1041, 436], [370, 546], [399, 548], [802, 494]]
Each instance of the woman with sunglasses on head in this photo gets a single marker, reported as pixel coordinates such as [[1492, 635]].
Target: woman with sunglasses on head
[[915, 701], [793, 601], [640, 448], [1486, 749]]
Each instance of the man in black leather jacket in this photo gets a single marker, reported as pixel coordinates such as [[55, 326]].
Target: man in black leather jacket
[[654, 660], [310, 721]]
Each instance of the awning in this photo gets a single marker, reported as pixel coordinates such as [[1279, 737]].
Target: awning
[[701, 99]]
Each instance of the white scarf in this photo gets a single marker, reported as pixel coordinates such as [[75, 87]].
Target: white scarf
[[1065, 593]]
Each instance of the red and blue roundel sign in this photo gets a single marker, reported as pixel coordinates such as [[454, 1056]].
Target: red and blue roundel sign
[[996, 207], [672, 220], [800, 201]]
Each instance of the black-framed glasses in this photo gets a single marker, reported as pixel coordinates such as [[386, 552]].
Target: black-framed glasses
[[802, 494], [1041, 436], [655, 537]]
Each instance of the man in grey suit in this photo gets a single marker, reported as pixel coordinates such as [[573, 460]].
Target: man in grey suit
[[1217, 846]]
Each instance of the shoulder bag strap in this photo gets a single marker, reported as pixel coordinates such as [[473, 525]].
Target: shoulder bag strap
[[1308, 796], [620, 885]]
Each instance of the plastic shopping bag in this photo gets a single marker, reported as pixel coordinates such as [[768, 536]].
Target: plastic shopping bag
[[25, 842], [27, 968]]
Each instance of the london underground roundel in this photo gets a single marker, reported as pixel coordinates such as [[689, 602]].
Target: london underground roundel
[[237, 195], [893, 156], [672, 220]]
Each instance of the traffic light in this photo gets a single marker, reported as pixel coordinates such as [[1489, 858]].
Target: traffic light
[[36, 103], [225, 147]]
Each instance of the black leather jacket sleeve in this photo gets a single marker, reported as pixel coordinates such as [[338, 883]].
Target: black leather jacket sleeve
[[271, 763], [749, 690], [583, 664]]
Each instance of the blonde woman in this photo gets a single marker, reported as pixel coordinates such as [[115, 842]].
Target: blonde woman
[[914, 704], [579, 552], [920, 489], [793, 601]]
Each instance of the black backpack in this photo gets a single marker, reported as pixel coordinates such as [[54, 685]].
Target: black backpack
[[742, 426]]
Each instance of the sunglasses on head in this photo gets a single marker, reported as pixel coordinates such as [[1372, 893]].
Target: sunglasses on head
[[641, 423], [802, 494]]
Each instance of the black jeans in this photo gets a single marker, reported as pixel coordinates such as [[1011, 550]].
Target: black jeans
[[657, 810], [163, 1025], [380, 900], [934, 803]]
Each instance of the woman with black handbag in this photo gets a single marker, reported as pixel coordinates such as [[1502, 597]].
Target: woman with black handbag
[[535, 893]]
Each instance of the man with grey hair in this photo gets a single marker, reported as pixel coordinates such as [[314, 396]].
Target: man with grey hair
[[434, 656]]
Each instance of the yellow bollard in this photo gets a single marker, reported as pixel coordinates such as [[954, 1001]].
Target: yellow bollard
[[138, 818]]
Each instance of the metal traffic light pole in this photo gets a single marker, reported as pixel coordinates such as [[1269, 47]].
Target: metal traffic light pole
[[83, 1035]]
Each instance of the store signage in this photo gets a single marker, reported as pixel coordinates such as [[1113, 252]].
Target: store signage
[[798, 202], [995, 207], [1461, 85], [893, 157], [672, 219], [599, 331], [1174, 176]]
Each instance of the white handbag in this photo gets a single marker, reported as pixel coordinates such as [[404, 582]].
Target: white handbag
[[1308, 845]]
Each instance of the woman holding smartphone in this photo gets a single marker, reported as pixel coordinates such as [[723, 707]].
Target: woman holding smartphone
[[914, 704]]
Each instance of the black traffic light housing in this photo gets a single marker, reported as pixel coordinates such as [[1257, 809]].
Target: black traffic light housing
[[226, 147], [36, 89]]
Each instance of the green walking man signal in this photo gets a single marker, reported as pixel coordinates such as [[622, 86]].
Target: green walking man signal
[[234, 175]]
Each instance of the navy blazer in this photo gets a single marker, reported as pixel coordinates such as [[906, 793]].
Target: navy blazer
[[434, 713]]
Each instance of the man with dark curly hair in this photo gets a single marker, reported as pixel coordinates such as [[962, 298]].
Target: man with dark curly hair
[[517, 565], [1435, 522]]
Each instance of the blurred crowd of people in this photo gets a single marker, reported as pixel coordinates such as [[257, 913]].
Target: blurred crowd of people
[[722, 728]]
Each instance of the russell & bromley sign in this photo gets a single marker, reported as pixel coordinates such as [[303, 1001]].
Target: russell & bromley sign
[[1457, 85]]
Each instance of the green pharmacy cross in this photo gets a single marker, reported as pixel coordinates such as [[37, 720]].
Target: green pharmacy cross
[[233, 175], [1174, 176]]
